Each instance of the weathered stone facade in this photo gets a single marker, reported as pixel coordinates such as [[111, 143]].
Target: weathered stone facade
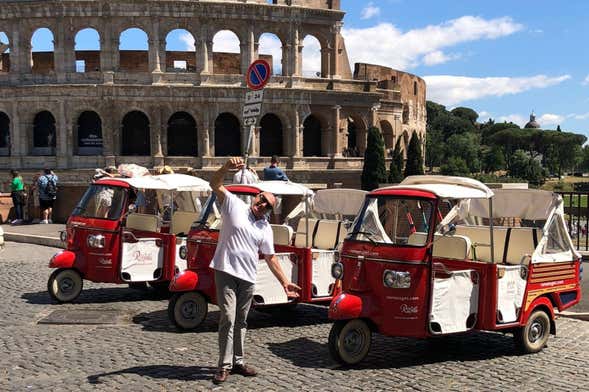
[[133, 106]]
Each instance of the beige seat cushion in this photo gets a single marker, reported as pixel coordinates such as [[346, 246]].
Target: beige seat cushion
[[480, 240], [143, 222], [181, 222], [301, 231], [282, 234], [521, 243], [452, 247], [327, 234]]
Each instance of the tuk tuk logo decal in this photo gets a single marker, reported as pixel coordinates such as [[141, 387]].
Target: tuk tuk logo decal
[[409, 309], [142, 258], [104, 261]]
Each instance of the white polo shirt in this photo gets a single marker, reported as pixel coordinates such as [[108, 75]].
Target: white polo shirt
[[241, 239]]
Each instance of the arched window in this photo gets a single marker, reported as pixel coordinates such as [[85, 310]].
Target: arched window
[[135, 137], [311, 137], [271, 45], [44, 134], [387, 133], [182, 135], [4, 53], [87, 50], [270, 135], [352, 138], [227, 135], [133, 51], [4, 134], [42, 51], [89, 134], [311, 57], [180, 51], [226, 53]]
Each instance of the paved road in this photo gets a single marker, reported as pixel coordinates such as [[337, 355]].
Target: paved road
[[142, 351]]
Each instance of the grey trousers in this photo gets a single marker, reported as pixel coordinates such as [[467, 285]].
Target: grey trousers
[[234, 297]]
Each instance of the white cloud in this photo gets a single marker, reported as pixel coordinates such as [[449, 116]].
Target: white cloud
[[585, 81], [451, 90], [550, 119], [270, 44], [188, 40], [387, 45], [514, 118], [583, 116], [438, 57], [311, 56], [370, 11], [226, 41]]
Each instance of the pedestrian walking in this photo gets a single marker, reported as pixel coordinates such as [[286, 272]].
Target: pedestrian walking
[[17, 192], [47, 187], [244, 235], [273, 172]]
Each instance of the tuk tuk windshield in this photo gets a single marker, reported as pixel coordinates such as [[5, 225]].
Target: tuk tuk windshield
[[102, 202], [394, 220]]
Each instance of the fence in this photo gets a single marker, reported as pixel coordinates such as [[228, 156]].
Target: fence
[[577, 216]]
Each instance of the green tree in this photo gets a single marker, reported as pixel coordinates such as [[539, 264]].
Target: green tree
[[492, 159], [396, 166], [435, 148], [526, 167], [455, 166], [465, 113], [414, 164], [374, 171], [434, 110], [467, 147]]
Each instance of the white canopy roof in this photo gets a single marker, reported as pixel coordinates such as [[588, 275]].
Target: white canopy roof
[[169, 182], [447, 187], [282, 188], [338, 201], [516, 203]]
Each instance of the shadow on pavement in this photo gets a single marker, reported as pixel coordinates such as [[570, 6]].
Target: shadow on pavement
[[390, 352], [302, 315], [183, 373], [99, 296]]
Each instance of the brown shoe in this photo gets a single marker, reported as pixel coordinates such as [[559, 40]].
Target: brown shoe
[[244, 370], [220, 375]]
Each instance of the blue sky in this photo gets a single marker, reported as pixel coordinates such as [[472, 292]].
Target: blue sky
[[500, 58]]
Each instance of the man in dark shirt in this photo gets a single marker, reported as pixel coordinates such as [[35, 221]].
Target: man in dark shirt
[[273, 172]]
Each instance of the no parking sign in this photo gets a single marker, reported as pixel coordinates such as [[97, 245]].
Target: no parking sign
[[257, 75]]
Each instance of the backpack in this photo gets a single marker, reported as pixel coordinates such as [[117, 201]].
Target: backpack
[[51, 188]]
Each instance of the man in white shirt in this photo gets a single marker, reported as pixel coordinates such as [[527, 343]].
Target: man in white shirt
[[245, 233]]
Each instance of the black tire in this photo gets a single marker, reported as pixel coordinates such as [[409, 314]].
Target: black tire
[[138, 285], [533, 336], [349, 341], [161, 287], [187, 310], [65, 285]]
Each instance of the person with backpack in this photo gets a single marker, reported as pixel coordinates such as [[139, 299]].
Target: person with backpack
[[47, 185]]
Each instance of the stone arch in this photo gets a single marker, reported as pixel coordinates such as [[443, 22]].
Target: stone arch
[[180, 51], [226, 52], [42, 51], [271, 135], [182, 135], [134, 50], [311, 57], [87, 48], [271, 44], [312, 135], [227, 135], [4, 52], [4, 134], [44, 133], [356, 134], [89, 139], [387, 132], [135, 135]]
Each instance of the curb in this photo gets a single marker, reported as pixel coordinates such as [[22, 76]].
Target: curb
[[573, 315], [34, 239]]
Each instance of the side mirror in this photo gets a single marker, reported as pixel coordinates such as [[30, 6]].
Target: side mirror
[[449, 229], [132, 208]]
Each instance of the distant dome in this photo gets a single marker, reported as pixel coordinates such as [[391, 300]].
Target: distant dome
[[532, 123]]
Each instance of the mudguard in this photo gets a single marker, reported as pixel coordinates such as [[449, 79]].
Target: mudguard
[[184, 281], [345, 306], [63, 259]]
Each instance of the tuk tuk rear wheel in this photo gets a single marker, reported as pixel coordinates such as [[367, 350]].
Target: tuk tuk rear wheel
[[187, 310], [65, 285], [533, 336], [349, 341]]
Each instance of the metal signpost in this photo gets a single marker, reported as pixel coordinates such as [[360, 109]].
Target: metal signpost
[[256, 77]]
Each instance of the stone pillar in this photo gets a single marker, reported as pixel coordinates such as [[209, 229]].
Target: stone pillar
[[16, 134], [61, 133], [296, 150], [106, 43], [334, 52], [336, 143], [210, 115], [204, 148], [202, 64], [17, 50], [297, 54], [156, 138], [209, 59], [108, 131], [247, 50], [326, 60]]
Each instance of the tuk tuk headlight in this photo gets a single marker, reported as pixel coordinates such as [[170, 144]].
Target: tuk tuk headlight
[[63, 235], [182, 252], [337, 270], [95, 241], [396, 279]]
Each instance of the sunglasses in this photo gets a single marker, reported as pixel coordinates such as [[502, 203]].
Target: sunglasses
[[265, 201]]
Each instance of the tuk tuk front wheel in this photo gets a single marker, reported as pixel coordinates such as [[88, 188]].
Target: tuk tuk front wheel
[[533, 336], [187, 310], [64, 285], [349, 341]]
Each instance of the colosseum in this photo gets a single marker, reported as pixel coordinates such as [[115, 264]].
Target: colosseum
[[74, 109]]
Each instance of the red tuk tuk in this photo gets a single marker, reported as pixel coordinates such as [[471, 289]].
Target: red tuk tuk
[[499, 260], [306, 255], [127, 231]]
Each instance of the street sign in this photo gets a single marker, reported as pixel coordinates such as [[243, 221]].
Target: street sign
[[258, 74], [252, 110], [254, 96], [249, 121]]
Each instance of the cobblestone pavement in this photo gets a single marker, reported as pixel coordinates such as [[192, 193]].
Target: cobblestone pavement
[[144, 352]]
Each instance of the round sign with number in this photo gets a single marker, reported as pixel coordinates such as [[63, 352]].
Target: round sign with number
[[258, 74]]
